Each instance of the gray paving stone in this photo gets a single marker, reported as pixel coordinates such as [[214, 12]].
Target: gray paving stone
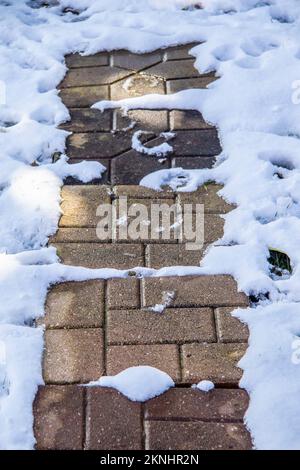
[[172, 326], [174, 86], [101, 255], [185, 120], [83, 97], [96, 60], [85, 77], [137, 85], [169, 435], [196, 142], [130, 167], [193, 163], [179, 52], [146, 120], [129, 61], [88, 120], [167, 71]]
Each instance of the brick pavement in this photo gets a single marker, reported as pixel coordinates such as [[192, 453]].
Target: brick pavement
[[101, 327]]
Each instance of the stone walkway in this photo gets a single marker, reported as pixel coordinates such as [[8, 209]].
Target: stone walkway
[[100, 327]]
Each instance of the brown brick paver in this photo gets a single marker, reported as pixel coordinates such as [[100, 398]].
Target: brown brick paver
[[96, 328], [59, 414], [73, 356], [216, 362], [112, 422], [174, 326], [223, 405], [75, 305], [162, 356], [166, 435]]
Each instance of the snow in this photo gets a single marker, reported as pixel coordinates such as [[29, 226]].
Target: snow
[[168, 297], [140, 383], [204, 386], [254, 46], [160, 150]]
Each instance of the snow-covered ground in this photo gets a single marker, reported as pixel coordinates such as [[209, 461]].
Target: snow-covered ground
[[255, 48]]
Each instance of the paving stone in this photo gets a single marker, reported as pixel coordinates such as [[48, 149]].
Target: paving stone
[[161, 255], [76, 235], [168, 435], [230, 329], [58, 412], [213, 226], [207, 195], [79, 205], [189, 404], [167, 71], [174, 86], [75, 305], [141, 192], [179, 52], [130, 61], [137, 85], [147, 220], [162, 356], [83, 97], [215, 362], [187, 120], [88, 120], [123, 293], [193, 163], [131, 167], [193, 291], [101, 255], [88, 76], [98, 145], [73, 356], [172, 326], [197, 142], [103, 179], [113, 422], [96, 60], [147, 120]]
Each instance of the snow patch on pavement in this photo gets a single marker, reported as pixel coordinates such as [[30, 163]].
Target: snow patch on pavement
[[140, 383], [204, 386], [160, 150]]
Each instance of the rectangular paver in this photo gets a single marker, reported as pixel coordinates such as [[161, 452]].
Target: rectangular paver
[[174, 86], [123, 293], [73, 356], [79, 205], [58, 412], [191, 405], [180, 120], [230, 329], [172, 326], [101, 255], [84, 97], [88, 120], [193, 291], [93, 76], [162, 356], [207, 195], [112, 421], [216, 362], [75, 305], [168, 435]]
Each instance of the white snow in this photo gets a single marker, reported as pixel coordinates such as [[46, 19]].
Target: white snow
[[140, 383], [254, 46], [204, 385], [160, 150], [167, 299]]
